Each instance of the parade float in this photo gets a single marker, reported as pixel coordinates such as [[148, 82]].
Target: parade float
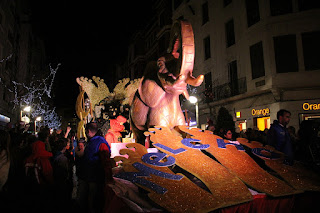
[[194, 170], [94, 96]]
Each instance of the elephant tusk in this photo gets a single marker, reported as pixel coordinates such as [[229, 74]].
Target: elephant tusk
[[194, 81]]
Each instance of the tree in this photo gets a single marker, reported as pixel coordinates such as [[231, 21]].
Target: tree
[[225, 120], [35, 94]]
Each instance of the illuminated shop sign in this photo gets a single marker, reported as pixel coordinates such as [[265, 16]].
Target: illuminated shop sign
[[307, 106], [263, 112]]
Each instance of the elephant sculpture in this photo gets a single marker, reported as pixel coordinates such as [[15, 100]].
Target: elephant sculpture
[[156, 101]]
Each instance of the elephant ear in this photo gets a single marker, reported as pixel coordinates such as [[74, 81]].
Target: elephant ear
[[182, 47]]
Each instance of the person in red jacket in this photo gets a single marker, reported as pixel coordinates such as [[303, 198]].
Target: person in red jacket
[[41, 157]]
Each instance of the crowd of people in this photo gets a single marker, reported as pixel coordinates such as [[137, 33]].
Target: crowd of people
[[53, 171]]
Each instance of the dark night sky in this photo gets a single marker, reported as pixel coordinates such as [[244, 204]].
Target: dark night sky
[[87, 38]]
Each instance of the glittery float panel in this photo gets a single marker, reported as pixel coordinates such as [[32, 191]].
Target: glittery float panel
[[217, 178], [240, 164], [296, 175], [177, 195]]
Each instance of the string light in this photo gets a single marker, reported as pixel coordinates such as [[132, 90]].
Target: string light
[[192, 90], [6, 59], [36, 89], [34, 95]]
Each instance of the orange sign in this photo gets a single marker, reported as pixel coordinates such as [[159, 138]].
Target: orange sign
[[263, 112], [307, 106]]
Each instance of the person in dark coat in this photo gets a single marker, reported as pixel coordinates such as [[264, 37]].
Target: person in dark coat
[[97, 168], [279, 137]]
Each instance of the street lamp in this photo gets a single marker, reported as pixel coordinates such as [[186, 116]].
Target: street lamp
[[27, 109], [25, 119], [35, 124], [194, 100]]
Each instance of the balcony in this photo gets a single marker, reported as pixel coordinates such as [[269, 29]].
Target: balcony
[[226, 90]]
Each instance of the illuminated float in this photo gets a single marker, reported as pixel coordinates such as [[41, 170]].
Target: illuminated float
[[226, 171], [212, 173]]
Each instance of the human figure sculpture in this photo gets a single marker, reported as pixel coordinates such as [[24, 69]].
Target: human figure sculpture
[[116, 127], [156, 102]]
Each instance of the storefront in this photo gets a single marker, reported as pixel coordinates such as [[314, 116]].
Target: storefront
[[255, 118], [259, 112], [261, 118], [241, 123], [311, 111]]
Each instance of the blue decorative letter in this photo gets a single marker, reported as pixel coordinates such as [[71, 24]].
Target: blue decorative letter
[[222, 144], [145, 171], [173, 151], [273, 155], [158, 157], [187, 142]]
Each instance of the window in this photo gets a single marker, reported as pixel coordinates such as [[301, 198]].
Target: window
[[308, 4], [285, 50], [253, 14], [208, 87], [180, 18], [257, 61], [176, 4], [311, 47], [230, 33], [163, 43], [280, 7], [1, 18], [233, 77], [226, 2], [164, 19], [205, 13], [208, 80], [207, 50]]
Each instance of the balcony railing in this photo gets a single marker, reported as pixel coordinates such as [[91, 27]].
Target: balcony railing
[[226, 90]]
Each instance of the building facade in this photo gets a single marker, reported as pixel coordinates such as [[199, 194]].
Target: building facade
[[22, 55], [152, 42], [258, 56]]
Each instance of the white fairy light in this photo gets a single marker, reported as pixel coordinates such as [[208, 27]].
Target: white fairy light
[[191, 90], [6, 59], [34, 95], [36, 89]]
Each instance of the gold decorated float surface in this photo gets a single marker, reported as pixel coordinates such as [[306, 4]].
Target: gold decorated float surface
[[227, 173], [210, 172], [172, 191], [297, 175], [239, 163]]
